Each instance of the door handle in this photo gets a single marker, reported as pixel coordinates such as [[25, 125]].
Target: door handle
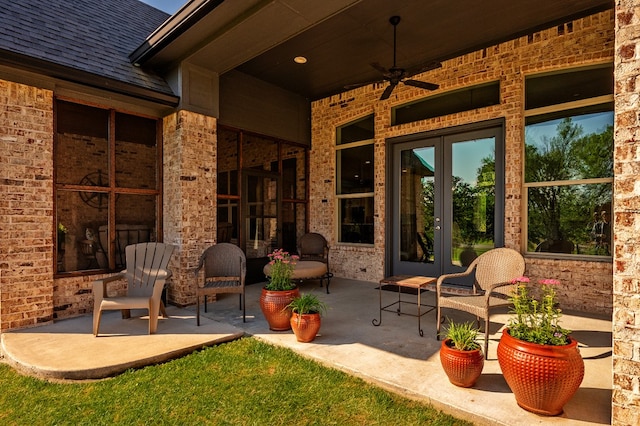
[[437, 227]]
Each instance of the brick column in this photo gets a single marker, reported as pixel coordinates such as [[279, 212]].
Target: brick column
[[26, 206], [626, 259], [189, 199]]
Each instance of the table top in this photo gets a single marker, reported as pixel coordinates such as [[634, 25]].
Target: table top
[[414, 281]]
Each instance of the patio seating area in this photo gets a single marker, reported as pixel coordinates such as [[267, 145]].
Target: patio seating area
[[392, 355]]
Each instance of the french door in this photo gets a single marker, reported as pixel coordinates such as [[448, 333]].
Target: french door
[[447, 200]]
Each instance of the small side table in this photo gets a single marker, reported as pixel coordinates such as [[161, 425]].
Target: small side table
[[407, 281]]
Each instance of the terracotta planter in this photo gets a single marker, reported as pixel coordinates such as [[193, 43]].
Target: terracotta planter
[[273, 304], [305, 326], [543, 378], [462, 367]]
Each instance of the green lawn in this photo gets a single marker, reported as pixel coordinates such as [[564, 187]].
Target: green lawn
[[245, 382]]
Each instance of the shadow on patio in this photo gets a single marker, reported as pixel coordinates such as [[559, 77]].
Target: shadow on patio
[[392, 355]]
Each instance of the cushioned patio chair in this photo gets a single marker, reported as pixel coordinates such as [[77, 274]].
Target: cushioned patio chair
[[313, 247], [494, 272], [225, 270], [146, 275]]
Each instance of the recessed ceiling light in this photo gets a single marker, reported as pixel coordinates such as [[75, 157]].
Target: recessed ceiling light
[[300, 60]]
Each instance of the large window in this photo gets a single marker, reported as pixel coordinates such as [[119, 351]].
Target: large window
[[569, 162], [354, 181], [107, 186]]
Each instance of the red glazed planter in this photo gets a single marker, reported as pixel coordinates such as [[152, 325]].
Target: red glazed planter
[[543, 378], [274, 307], [305, 326], [462, 367]]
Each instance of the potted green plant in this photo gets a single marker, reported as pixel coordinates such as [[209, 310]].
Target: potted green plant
[[540, 361], [305, 319], [460, 354], [279, 291]]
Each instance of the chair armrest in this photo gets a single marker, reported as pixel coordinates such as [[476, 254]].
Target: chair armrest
[[100, 285], [441, 278]]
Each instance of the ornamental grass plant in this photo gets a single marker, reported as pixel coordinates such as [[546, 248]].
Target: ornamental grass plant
[[537, 321], [463, 336], [282, 265]]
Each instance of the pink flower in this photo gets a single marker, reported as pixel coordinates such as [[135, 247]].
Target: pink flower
[[549, 281], [521, 279]]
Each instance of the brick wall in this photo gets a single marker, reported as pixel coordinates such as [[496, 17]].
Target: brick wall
[[626, 313], [26, 205], [586, 285], [189, 196]]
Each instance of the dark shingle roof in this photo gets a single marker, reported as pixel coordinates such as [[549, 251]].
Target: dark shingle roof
[[92, 36]]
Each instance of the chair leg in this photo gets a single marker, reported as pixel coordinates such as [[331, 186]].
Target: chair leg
[[153, 317], [163, 310], [486, 338], [244, 307], [438, 322], [198, 310], [97, 315]]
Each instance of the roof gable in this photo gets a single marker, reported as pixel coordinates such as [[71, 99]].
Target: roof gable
[[92, 36]]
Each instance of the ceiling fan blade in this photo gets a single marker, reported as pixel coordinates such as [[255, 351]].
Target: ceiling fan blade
[[421, 84], [387, 91]]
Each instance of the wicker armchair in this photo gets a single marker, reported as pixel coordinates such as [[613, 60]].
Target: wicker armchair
[[494, 273], [225, 270], [146, 275], [313, 248]]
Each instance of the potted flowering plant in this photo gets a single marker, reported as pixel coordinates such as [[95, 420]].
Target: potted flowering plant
[[281, 265], [540, 361], [279, 291]]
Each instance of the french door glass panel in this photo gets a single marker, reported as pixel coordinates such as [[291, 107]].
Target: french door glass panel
[[473, 199], [417, 205]]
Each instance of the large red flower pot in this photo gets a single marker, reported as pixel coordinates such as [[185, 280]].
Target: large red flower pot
[[305, 326], [543, 378], [274, 307], [462, 367]]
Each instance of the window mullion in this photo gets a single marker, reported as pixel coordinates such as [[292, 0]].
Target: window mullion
[[111, 224]]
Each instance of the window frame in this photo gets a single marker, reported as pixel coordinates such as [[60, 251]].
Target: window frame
[[566, 106], [351, 195], [112, 190]]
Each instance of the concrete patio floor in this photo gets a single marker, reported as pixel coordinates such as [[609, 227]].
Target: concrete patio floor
[[392, 355]]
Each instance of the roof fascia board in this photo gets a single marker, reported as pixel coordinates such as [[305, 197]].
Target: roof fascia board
[[65, 73], [173, 28]]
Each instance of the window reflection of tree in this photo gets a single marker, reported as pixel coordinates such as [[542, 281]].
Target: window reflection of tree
[[560, 214]]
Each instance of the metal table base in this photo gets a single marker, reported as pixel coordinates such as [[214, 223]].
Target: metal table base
[[405, 281]]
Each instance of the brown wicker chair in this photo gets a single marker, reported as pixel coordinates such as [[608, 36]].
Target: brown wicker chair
[[225, 270], [146, 275], [494, 273], [313, 247]]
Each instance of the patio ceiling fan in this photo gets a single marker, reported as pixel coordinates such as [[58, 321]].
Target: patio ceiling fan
[[395, 74]]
